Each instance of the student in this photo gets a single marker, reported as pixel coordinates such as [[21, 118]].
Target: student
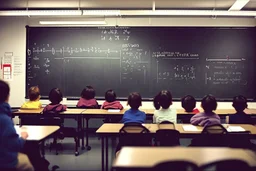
[[240, 104], [55, 97], [208, 117], [111, 102], [189, 103], [134, 114], [11, 144], [164, 111], [34, 97], [87, 99]]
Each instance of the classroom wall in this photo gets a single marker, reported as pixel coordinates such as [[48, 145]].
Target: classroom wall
[[13, 39]]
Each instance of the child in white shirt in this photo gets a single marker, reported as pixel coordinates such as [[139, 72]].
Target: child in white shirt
[[164, 111]]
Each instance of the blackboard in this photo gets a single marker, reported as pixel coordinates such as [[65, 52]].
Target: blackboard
[[188, 60]]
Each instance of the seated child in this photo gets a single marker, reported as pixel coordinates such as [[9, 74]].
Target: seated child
[[87, 99], [10, 143], [208, 117], [189, 103], [240, 104], [34, 97], [134, 114], [55, 97], [164, 111], [111, 102]]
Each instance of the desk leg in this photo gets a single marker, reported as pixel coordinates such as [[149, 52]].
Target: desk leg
[[79, 128], [102, 153], [106, 153], [87, 135], [83, 133]]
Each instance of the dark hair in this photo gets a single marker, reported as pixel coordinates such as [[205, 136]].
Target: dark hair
[[240, 103], [55, 96], [4, 91], [33, 93], [209, 103], [163, 99], [188, 103], [110, 96], [88, 93], [134, 100]]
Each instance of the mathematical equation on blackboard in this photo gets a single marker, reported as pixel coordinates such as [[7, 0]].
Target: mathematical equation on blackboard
[[225, 72], [135, 62]]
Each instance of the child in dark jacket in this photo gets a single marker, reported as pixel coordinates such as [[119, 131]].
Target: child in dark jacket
[[55, 97], [208, 117], [240, 117], [87, 99], [189, 103], [111, 102], [10, 142], [134, 114]]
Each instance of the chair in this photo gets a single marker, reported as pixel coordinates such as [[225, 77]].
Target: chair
[[212, 136], [175, 166], [133, 134], [226, 165], [240, 140], [167, 136], [53, 118]]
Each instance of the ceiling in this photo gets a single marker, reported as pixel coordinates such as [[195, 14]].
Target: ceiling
[[123, 4]]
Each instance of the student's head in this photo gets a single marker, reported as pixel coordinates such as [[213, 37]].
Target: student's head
[[88, 93], [163, 99], [110, 96], [134, 100], [188, 103], [240, 103], [55, 96], [4, 91], [34, 93], [209, 103]]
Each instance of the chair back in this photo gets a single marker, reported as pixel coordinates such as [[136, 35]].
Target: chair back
[[175, 166], [214, 129], [226, 165], [166, 125], [167, 135], [212, 136], [134, 134], [52, 121]]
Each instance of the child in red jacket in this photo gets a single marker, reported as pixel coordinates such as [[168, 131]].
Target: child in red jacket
[[111, 102]]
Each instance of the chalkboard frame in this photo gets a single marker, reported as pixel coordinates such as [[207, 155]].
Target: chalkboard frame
[[123, 98]]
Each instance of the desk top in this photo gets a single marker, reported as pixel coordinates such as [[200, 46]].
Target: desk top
[[106, 112], [114, 128], [37, 133], [73, 111], [135, 156]]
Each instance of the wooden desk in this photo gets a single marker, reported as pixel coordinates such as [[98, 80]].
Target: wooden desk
[[112, 129], [37, 133], [134, 157], [107, 130], [183, 133], [28, 111]]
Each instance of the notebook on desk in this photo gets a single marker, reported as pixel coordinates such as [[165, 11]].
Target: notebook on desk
[[235, 129], [190, 128], [114, 110]]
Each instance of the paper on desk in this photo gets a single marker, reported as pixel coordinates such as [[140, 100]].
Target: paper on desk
[[114, 110], [235, 129], [189, 128]]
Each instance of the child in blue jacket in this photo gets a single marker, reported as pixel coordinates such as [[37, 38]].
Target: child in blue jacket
[[134, 114], [10, 142]]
